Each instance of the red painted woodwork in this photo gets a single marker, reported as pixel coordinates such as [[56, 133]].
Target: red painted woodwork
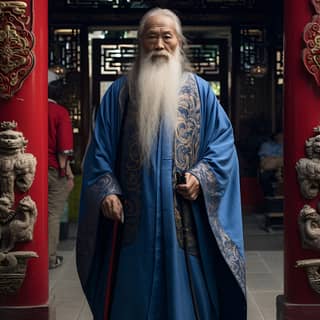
[[316, 4], [301, 312], [27, 313], [28, 107], [251, 195], [302, 114]]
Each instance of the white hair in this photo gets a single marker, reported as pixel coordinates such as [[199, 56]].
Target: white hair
[[154, 86], [162, 12], [178, 28]]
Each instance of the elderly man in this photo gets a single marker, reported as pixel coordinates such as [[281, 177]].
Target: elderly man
[[160, 232]]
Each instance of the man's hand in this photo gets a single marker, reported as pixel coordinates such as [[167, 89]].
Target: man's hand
[[111, 207], [191, 189]]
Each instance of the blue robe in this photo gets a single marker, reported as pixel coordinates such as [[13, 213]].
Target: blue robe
[[167, 245]]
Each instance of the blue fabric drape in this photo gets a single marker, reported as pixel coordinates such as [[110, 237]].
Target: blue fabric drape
[[151, 281]]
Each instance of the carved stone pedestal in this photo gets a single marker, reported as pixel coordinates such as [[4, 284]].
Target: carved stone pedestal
[[13, 267], [290, 311], [41, 312], [27, 313]]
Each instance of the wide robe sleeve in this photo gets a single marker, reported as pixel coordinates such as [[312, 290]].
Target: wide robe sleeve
[[99, 180], [218, 173]]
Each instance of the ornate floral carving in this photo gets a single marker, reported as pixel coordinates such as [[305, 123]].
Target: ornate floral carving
[[316, 4], [311, 37], [308, 169], [311, 54], [309, 225], [312, 268], [16, 43], [17, 171]]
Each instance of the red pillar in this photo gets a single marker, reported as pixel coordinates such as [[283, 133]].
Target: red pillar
[[28, 107], [302, 114]]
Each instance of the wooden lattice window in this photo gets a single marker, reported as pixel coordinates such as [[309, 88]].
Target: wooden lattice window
[[116, 58], [64, 48], [205, 58], [253, 51], [64, 51], [279, 66]]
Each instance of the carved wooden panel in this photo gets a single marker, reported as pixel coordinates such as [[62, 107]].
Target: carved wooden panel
[[253, 55], [64, 48], [116, 58], [205, 58], [311, 37], [64, 52], [16, 44]]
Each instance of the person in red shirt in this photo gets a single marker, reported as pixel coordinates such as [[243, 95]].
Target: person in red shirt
[[60, 177]]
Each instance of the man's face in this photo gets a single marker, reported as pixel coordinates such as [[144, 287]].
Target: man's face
[[159, 37]]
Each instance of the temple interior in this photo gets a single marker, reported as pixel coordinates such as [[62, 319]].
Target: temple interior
[[236, 45]]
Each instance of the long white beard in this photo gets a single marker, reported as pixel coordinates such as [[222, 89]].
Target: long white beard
[[158, 85]]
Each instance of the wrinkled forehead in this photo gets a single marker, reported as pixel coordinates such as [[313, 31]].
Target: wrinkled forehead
[[160, 22]]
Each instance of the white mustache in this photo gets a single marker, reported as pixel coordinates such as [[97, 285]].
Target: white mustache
[[159, 54]]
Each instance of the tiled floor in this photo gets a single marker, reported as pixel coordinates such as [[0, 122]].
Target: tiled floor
[[264, 276]]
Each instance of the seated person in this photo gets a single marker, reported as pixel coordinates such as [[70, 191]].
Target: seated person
[[271, 163]]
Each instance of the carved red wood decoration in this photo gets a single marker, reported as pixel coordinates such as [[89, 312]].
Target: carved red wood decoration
[[311, 36], [316, 4], [311, 54], [16, 43]]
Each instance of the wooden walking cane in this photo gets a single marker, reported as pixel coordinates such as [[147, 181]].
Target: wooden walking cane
[[112, 265], [182, 180]]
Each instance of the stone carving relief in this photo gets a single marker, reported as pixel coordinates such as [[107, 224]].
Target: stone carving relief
[[308, 169], [309, 226], [17, 218], [312, 268]]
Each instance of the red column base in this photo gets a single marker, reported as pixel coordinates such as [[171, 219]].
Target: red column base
[[28, 313], [289, 311]]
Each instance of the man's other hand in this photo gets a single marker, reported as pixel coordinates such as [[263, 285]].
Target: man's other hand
[[111, 208], [191, 189]]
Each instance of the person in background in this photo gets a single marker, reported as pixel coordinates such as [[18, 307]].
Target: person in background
[[60, 177], [160, 223], [271, 163]]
